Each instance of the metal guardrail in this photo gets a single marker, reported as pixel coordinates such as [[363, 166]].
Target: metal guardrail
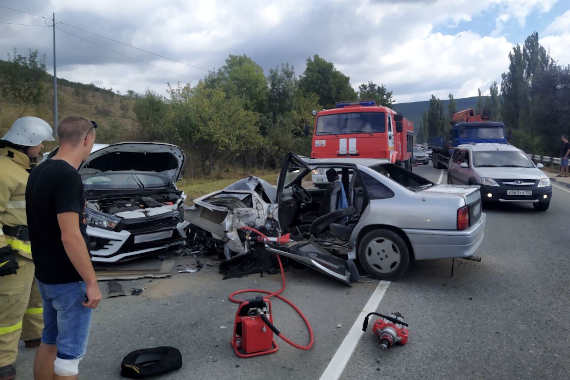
[[544, 159]]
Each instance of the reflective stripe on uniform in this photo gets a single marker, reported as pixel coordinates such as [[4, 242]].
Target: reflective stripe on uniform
[[35, 310], [19, 245], [16, 204], [12, 328]]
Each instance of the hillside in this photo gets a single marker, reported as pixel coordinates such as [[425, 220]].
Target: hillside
[[112, 112]]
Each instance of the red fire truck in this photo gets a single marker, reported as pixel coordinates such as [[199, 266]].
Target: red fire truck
[[363, 130]]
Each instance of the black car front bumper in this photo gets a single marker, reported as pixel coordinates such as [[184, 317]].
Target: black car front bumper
[[500, 194]]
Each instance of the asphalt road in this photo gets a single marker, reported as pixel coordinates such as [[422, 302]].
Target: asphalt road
[[506, 317]]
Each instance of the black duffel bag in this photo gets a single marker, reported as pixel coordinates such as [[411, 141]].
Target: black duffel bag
[[149, 362]]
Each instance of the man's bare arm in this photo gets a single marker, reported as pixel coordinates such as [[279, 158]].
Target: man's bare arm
[[76, 250]]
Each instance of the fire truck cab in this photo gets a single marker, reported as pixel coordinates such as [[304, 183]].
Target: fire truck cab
[[363, 130]]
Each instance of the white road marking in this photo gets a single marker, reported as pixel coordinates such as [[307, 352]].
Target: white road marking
[[561, 188], [344, 352], [440, 177]]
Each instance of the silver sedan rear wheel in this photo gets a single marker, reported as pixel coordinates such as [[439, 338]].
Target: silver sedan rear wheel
[[384, 254]]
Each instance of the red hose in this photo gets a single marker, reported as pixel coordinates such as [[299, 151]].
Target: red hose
[[277, 295]]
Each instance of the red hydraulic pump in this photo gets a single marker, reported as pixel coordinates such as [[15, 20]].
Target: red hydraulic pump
[[253, 325], [389, 330]]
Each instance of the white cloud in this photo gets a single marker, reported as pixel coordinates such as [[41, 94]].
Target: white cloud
[[519, 10], [561, 24], [390, 42]]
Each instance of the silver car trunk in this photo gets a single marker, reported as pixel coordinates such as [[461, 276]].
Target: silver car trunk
[[470, 194]]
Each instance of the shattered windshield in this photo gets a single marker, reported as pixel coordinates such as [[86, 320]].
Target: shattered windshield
[[124, 181]]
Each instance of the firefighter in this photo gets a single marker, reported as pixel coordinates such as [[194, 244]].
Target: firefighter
[[21, 313]]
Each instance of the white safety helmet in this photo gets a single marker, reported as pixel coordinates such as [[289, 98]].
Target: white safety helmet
[[29, 131]]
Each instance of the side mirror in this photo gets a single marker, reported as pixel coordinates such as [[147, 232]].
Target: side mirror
[[464, 165], [540, 165]]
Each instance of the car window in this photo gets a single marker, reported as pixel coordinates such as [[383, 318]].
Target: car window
[[409, 180], [456, 155], [374, 188], [514, 159], [354, 122], [125, 181], [110, 181]]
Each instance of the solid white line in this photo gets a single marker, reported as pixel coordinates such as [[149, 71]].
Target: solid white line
[[344, 352], [440, 177], [560, 188]]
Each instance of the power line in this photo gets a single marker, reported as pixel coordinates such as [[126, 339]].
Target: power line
[[92, 42], [15, 23], [22, 11], [135, 47]]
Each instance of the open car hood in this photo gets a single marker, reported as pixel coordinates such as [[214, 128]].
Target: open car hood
[[161, 158]]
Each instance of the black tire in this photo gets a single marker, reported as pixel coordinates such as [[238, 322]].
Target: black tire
[[541, 206], [397, 261]]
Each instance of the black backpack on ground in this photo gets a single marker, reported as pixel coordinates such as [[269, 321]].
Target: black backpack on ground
[[149, 362]]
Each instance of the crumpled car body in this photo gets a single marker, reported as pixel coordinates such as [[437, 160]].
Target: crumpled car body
[[370, 212], [247, 202], [133, 207]]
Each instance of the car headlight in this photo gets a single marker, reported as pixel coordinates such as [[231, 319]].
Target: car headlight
[[98, 219], [486, 181], [544, 182]]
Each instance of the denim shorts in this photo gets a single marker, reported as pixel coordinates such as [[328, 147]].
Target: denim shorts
[[66, 320], [564, 162]]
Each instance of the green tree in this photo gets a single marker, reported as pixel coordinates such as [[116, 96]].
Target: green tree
[[435, 118], [493, 102], [152, 114], [282, 87], [451, 107], [241, 77], [378, 93], [322, 78], [23, 79], [514, 90]]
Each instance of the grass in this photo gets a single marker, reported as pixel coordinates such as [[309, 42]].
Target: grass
[[196, 187]]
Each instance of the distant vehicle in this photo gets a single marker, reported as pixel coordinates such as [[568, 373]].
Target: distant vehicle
[[504, 172], [363, 130], [420, 157], [467, 128]]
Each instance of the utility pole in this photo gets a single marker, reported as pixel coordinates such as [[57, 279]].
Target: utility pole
[[55, 119]]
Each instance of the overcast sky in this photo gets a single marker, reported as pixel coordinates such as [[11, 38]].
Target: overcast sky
[[415, 47]]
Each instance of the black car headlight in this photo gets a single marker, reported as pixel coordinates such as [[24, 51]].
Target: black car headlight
[[100, 220]]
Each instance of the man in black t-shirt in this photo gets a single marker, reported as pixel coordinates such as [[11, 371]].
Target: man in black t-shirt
[[65, 275], [564, 153]]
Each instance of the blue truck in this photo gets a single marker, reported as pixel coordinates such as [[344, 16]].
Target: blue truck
[[467, 128]]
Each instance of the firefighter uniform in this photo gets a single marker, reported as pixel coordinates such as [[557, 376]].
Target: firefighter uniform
[[21, 313]]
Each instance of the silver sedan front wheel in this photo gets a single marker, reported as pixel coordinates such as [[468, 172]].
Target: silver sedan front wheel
[[384, 254]]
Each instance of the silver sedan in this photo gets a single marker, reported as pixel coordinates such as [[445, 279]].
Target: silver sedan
[[374, 212]]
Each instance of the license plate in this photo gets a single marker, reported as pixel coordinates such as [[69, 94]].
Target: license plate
[[519, 192], [153, 236]]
